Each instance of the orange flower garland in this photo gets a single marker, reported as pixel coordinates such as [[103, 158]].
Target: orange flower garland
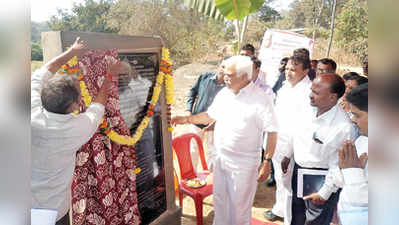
[[164, 77]]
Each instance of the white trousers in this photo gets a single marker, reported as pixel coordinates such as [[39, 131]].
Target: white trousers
[[288, 190], [233, 194], [282, 206]]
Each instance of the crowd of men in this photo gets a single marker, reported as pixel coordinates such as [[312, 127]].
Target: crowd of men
[[313, 123]]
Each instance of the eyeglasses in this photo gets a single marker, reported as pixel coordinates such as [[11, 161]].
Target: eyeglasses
[[316, 139], [351, 115], [323, 70]]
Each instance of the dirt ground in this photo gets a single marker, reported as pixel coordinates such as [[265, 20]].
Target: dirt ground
[[185, 77], [264, 200]]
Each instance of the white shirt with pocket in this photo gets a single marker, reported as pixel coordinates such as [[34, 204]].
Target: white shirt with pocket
[[55, 139]]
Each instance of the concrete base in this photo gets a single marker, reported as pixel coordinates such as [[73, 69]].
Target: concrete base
[[170, 217]]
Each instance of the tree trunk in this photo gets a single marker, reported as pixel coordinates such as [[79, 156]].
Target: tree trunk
[[238, 34], [244, 29], [332, 28]]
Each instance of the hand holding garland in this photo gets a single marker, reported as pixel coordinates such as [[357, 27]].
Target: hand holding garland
[[78, 47], [113, 66]]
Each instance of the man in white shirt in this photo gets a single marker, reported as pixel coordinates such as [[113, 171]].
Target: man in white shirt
[[315, 147], [353, 200], [57, 133], [291, 102], [243, 112]]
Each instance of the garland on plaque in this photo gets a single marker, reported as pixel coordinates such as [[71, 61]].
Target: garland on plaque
[[164, 77]]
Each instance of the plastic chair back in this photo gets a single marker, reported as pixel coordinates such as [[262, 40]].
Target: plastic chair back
[[181, 146]]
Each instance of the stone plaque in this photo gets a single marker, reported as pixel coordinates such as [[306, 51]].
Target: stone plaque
[[136, 82]]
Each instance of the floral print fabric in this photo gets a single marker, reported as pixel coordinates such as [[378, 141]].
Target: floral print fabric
[[104, 185]]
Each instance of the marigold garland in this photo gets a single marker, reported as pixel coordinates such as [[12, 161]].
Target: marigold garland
[[164, 76]]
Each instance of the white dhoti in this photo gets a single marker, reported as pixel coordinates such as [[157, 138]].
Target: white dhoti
[[282, 206], [207, 143], [233, 194], [288, 192]]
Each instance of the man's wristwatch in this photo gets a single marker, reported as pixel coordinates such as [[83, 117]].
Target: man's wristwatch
[[268, 159]]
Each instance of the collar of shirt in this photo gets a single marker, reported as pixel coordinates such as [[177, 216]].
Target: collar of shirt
[[215, 79], [244, 90], [56, 118], [326, 117], [305, 80]]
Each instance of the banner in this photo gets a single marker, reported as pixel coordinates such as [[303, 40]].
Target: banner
[[276, 45]]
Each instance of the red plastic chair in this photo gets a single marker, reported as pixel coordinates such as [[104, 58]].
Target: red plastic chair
[[181, 146]]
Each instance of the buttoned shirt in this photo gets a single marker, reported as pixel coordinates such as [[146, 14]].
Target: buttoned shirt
[[203, 93], [355, 181], [241, 119], [133, 98], [55, 140], [292, 103], [317, 140]]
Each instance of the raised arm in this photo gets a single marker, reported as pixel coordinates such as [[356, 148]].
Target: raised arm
[[113, 66], [78, 47], [200, 118], [51, 68]]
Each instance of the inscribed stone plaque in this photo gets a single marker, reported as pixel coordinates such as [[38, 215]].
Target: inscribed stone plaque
[[136, 85]]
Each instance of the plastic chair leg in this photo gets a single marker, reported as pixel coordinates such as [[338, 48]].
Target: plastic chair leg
[[198, 209], [181, 199]]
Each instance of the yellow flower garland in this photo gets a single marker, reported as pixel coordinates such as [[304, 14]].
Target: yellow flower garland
[[161, 78]]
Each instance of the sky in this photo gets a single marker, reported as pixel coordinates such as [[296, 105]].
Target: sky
[[42, 10]]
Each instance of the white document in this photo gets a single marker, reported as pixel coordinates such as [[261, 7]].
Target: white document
[[310, 181], [43, 216]]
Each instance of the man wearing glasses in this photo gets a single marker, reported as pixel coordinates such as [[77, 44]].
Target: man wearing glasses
[[325, 66]]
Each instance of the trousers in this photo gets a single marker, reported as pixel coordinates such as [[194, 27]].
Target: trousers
[[307, 213]]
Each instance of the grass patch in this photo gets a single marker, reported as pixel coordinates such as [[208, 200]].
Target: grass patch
[[34, 65]]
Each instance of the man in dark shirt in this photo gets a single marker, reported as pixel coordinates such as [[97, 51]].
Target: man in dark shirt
[[281, 78], [199, 99], [247, 50]]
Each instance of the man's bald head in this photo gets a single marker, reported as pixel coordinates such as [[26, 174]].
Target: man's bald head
[[126, 68], [126, 73], [326, 90], [336, 83]]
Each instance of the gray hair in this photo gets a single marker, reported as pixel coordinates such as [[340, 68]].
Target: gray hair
[[59, 92], [243, 65]]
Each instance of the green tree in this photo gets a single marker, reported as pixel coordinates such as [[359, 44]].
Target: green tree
[[234, 10], [268, 14], [189, 34], [89, 16], [311, 14], [37, 29], [36, 52], [352, 29]]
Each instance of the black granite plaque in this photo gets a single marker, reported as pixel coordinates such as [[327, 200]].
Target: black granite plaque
[[135, 93]]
